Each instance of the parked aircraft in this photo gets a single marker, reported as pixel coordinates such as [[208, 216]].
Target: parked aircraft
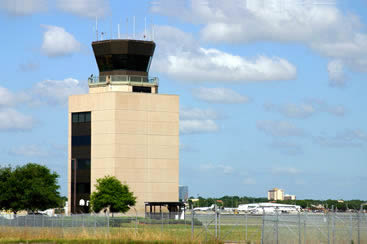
[[270, 208], [205, 208]]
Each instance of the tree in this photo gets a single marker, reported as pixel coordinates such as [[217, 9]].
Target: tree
[[110, 192], [30, 187]]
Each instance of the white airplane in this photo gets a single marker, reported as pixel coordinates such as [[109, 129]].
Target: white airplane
[[259, 208], [205, 208]]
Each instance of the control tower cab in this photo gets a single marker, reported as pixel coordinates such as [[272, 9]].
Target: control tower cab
[[123, 66]]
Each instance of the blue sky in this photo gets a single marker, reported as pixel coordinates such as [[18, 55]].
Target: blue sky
[[272, 92]]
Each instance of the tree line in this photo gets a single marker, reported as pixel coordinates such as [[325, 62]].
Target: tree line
[[33, 187], [234, 201]]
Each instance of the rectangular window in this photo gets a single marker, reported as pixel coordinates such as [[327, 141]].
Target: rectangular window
[[81, 117], [75, 117]]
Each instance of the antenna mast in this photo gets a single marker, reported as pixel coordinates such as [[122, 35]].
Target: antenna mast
[[118, 31], [145, 27], [97, 28], [127, 28], [134, 27]]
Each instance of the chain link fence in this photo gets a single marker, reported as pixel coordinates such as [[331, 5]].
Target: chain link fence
[[210, 226]]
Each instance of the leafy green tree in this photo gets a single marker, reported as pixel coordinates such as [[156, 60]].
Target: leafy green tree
[[110, 192], [30, 187]]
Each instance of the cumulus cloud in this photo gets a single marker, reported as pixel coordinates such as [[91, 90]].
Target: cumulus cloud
[[198, 126], [306, 109], [28, 151], [336, 73], [226, 169], [12, 120], [86, 8], [212, 65], [56, 92], [279, 128], [11, 99], [58, 42], [249, 181], [346, 138], [28, 66], [23, 7], [198, 114], [285, 171], [219, 95], [286, 147], [300, 111], [184, 59], [195, 120], [324, 28]]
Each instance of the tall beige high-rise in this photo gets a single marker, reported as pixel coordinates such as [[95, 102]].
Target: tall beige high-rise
[[123, 128]]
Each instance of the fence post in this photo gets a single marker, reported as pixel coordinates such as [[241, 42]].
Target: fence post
[[192, 224], [161, 222], [333, 224], [277, 227], [304, 228], [299, 228], [108, 223], [263, 228], [219, 215], [95, 223], [216, 223], [351, 228], [359, 225], [328, 227], [136, 220], [246, 226]]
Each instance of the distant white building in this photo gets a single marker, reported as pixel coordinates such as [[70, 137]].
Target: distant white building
[[276, 194], [289, 197]]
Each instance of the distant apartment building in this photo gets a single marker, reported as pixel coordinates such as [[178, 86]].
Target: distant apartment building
[[183, 193], [276, 194], [289, 197]]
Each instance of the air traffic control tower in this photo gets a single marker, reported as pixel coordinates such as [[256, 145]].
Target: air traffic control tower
[[123, 128]]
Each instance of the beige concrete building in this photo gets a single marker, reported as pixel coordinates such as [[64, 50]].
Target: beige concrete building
[[276, 194], [289, 197], [124, 128]]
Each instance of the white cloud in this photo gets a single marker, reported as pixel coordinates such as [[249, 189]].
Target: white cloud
[[346, 138], [198, 126], [212, 65], [219, 95], [323, 28], [29, 66], [183, 59], [292, 110], [279, 128], [10, 99], [286, 147], [23, 7], [197, 114], [286, 171], [217, 167], [336, 73], [56, 92], [195, 120], [306, 109], [86, 8], [249, 181], [58, 42], [28, 151], [11, 120]]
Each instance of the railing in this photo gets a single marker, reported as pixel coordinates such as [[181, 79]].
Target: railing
[[126, 79]]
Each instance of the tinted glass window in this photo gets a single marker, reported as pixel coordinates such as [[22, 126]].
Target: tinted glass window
[[124, 62], [75, 117], [87, 117]]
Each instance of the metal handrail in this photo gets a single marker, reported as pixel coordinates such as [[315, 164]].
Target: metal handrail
[[96, 80]]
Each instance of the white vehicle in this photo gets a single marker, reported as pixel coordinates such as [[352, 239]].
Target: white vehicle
[[205, 208], [269, 208]]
